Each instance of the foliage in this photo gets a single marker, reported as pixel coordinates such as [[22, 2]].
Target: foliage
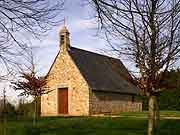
[[30, 84], [171, 80], [8, 110], [26, 110], [168, 100]]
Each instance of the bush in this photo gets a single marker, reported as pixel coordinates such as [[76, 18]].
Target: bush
[[8, 111], [27, 109], [168, 100]]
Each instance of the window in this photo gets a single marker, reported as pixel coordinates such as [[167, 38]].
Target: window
[[62, 39], [133, 99]]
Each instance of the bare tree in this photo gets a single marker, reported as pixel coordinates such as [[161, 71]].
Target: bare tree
[[148, 32], [21, 20]]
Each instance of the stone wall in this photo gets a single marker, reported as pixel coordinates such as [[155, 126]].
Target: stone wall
[[108, 102], [65, 74]]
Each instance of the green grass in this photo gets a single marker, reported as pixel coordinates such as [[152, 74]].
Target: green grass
[[92, 126], [145, 114]]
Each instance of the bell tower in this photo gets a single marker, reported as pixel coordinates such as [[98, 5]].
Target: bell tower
[[64, 39]]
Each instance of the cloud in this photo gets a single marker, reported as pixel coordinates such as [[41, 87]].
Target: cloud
[[85, 24]]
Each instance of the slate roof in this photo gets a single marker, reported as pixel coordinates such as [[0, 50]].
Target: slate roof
[[103, 73]]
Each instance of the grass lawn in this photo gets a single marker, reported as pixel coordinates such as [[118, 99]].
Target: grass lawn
[[145, 114], [92, 126]]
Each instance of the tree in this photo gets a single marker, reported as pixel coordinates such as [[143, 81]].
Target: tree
[[31, 84], [22, 20], [149, 36]]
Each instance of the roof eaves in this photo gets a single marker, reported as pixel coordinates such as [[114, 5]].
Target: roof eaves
[[115, 91]]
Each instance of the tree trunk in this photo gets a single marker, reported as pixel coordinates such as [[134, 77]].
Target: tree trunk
[[157, 114], [153, 116]]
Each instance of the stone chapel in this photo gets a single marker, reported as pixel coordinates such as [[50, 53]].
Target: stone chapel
[[86, 83]]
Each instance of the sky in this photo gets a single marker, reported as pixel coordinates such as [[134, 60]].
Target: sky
[[82, 26], [83, 33], [80, 21]]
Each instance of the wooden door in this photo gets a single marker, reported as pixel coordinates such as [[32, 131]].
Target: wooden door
[[63, 101]]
